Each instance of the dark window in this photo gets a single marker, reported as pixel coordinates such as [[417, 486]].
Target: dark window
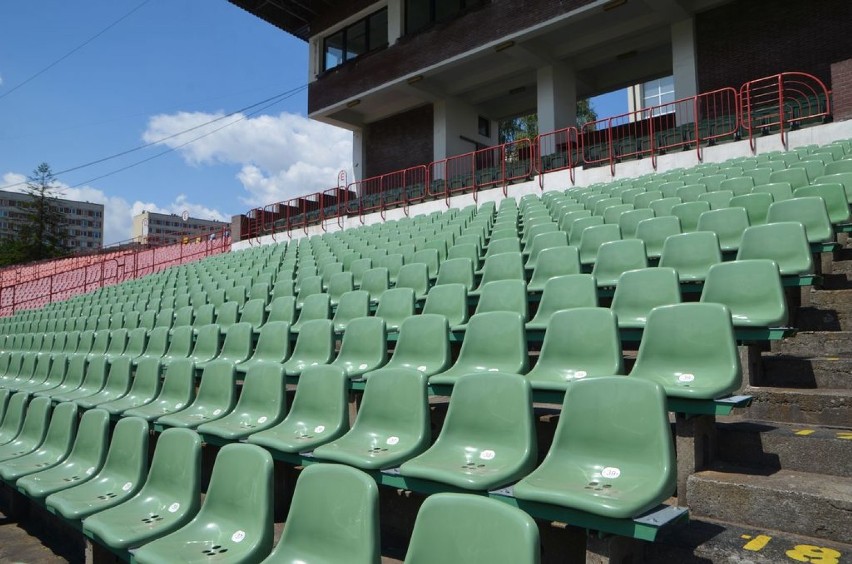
[[419, 14], [355, 40], [484, 127]]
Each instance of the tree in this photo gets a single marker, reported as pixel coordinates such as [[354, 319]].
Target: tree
[[38, 226], [526, 127]]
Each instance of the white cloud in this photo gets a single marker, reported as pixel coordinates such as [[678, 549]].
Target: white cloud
[[118, 212], [280, 156]]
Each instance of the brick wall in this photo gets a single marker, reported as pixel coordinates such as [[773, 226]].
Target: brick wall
[[750, 39], [841, 80], [489, 22], [383, 139]]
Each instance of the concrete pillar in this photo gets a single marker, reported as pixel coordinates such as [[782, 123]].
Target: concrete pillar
[[684, 66], [358, 155], [696, 448], [395, 21], [556, 89], [456, 129]]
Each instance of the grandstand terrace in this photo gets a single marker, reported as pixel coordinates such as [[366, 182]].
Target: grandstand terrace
[[622, 342]]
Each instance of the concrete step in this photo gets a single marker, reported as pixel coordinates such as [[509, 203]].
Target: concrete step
[[828, 310], [703, 541], [773, 446], [811, 344], [780, 370], [801, 503], [829, 407]]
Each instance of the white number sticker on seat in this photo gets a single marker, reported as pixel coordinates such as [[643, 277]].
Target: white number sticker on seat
[[178, 405], [238, 536], [126, 487], [580, 374], [362, 366], [393, 440], [487, 455], [686, 377], [174, 507], [611, 472], [319, 428], [217, 412], [263, 419], [421, 368]]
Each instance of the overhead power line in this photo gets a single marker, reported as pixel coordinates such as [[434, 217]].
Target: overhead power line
[[74, 50]]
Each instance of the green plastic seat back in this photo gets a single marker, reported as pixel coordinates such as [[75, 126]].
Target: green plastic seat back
[[175, 472], [553, 262], [579, 226], [813, 167], [489, 431], [423, 345], [117, 342], [494, 341], [728, 224], [688, 214], [89, 450], [752, 291], [237, 295], [227, 314], [468, 251], [180, 344], [352, 305], [4, 399], [690, 350], [262, 395], [316, 306], [834, 197], [254, 313], [259, 291], [591, 240], [62, 428], [842, 178], [74, 374], [468, 528], [205, 315], [100, 343], [217, 388], [146, 381], [207, 344], [655, 231], [756, 206], [795, 177], [14, 417], [395, 306], [506, 242], [669, 189], [340, 283], [504, 295], [810, 211], [718, 200], [309, 285], [568, 219], [282, 309], [178, 389], [119, 377], [780, 191], [87, 339], [328, 271], [96, 374], [284, 287], [448, 300], [565, 292], [785, 243], [273, 344], [739, 185], [136, 341], [358, 268], [544, 241], [72, 340], [612, 213], [364, 345], [691, 192], [416, 277], [331, 493], [616, 257], [375, 282], [839, 167], [315, 345], [640, 291], [148, 319], [431, 257], [663, 206], [612, 454], [505, 266], [644, 200], [691, 254], [184, 317], [456, 271], [392, 422]]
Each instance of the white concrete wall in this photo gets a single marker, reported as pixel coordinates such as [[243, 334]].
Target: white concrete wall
[[453, 119], [560, 180]]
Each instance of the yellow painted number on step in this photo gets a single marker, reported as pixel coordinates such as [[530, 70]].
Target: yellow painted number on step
[[815, 554], [757, 543], [845, 435]]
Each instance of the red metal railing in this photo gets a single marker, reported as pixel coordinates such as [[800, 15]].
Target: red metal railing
[[557, 150], [782, 101]]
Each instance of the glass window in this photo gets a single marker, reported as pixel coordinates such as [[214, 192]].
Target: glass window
[[421, 13], [334, 50], [378, 30], [659, 92], [354, 40]]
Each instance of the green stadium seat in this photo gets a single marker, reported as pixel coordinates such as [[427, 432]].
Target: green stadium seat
[[690, 350], [834, 197], [282, 309], [838, 167], [752, 291], [237, 347], [157, 345], [117, 385], [494, 342], [319, 413], [691, 255], [503, 295], [310, 285], [809, 211], [644, 200], [654, 232], [119, 479], [795, 177], [431, 258], [328, 272], [629, 221], [691, 192], [449, 301], [316, 306], [177, 391], [779, 191], [456, 271], [613, 213], [392, 424], [137, 339], [756, 206], [206, 345], [261, 405], [235, 520], [728, 224], [663, 206], [283, 287], [143, 390], [352, 305], [579, 226], [315, 345], [358, 268], [363, 348], [55, 377], [216, 398], [254, 313], [578, 343], [591, 240], [453, 527], [416, 277], [688, 214], [739, 185], [423, 345], [718, 200], [339, 284], [640, 291], [488, 437], [205, 315], [92, 383], [505, 266], [166, 502], [273, 346], [56, 446], [375, 282], [331, 493], [556, 261], [843, 178], [616, 257], [395, 306], [86, 459], [622, 423], [33, 430], [564, 292], [184, 317]]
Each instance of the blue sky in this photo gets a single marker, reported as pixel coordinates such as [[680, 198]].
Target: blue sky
[[169, 66]]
